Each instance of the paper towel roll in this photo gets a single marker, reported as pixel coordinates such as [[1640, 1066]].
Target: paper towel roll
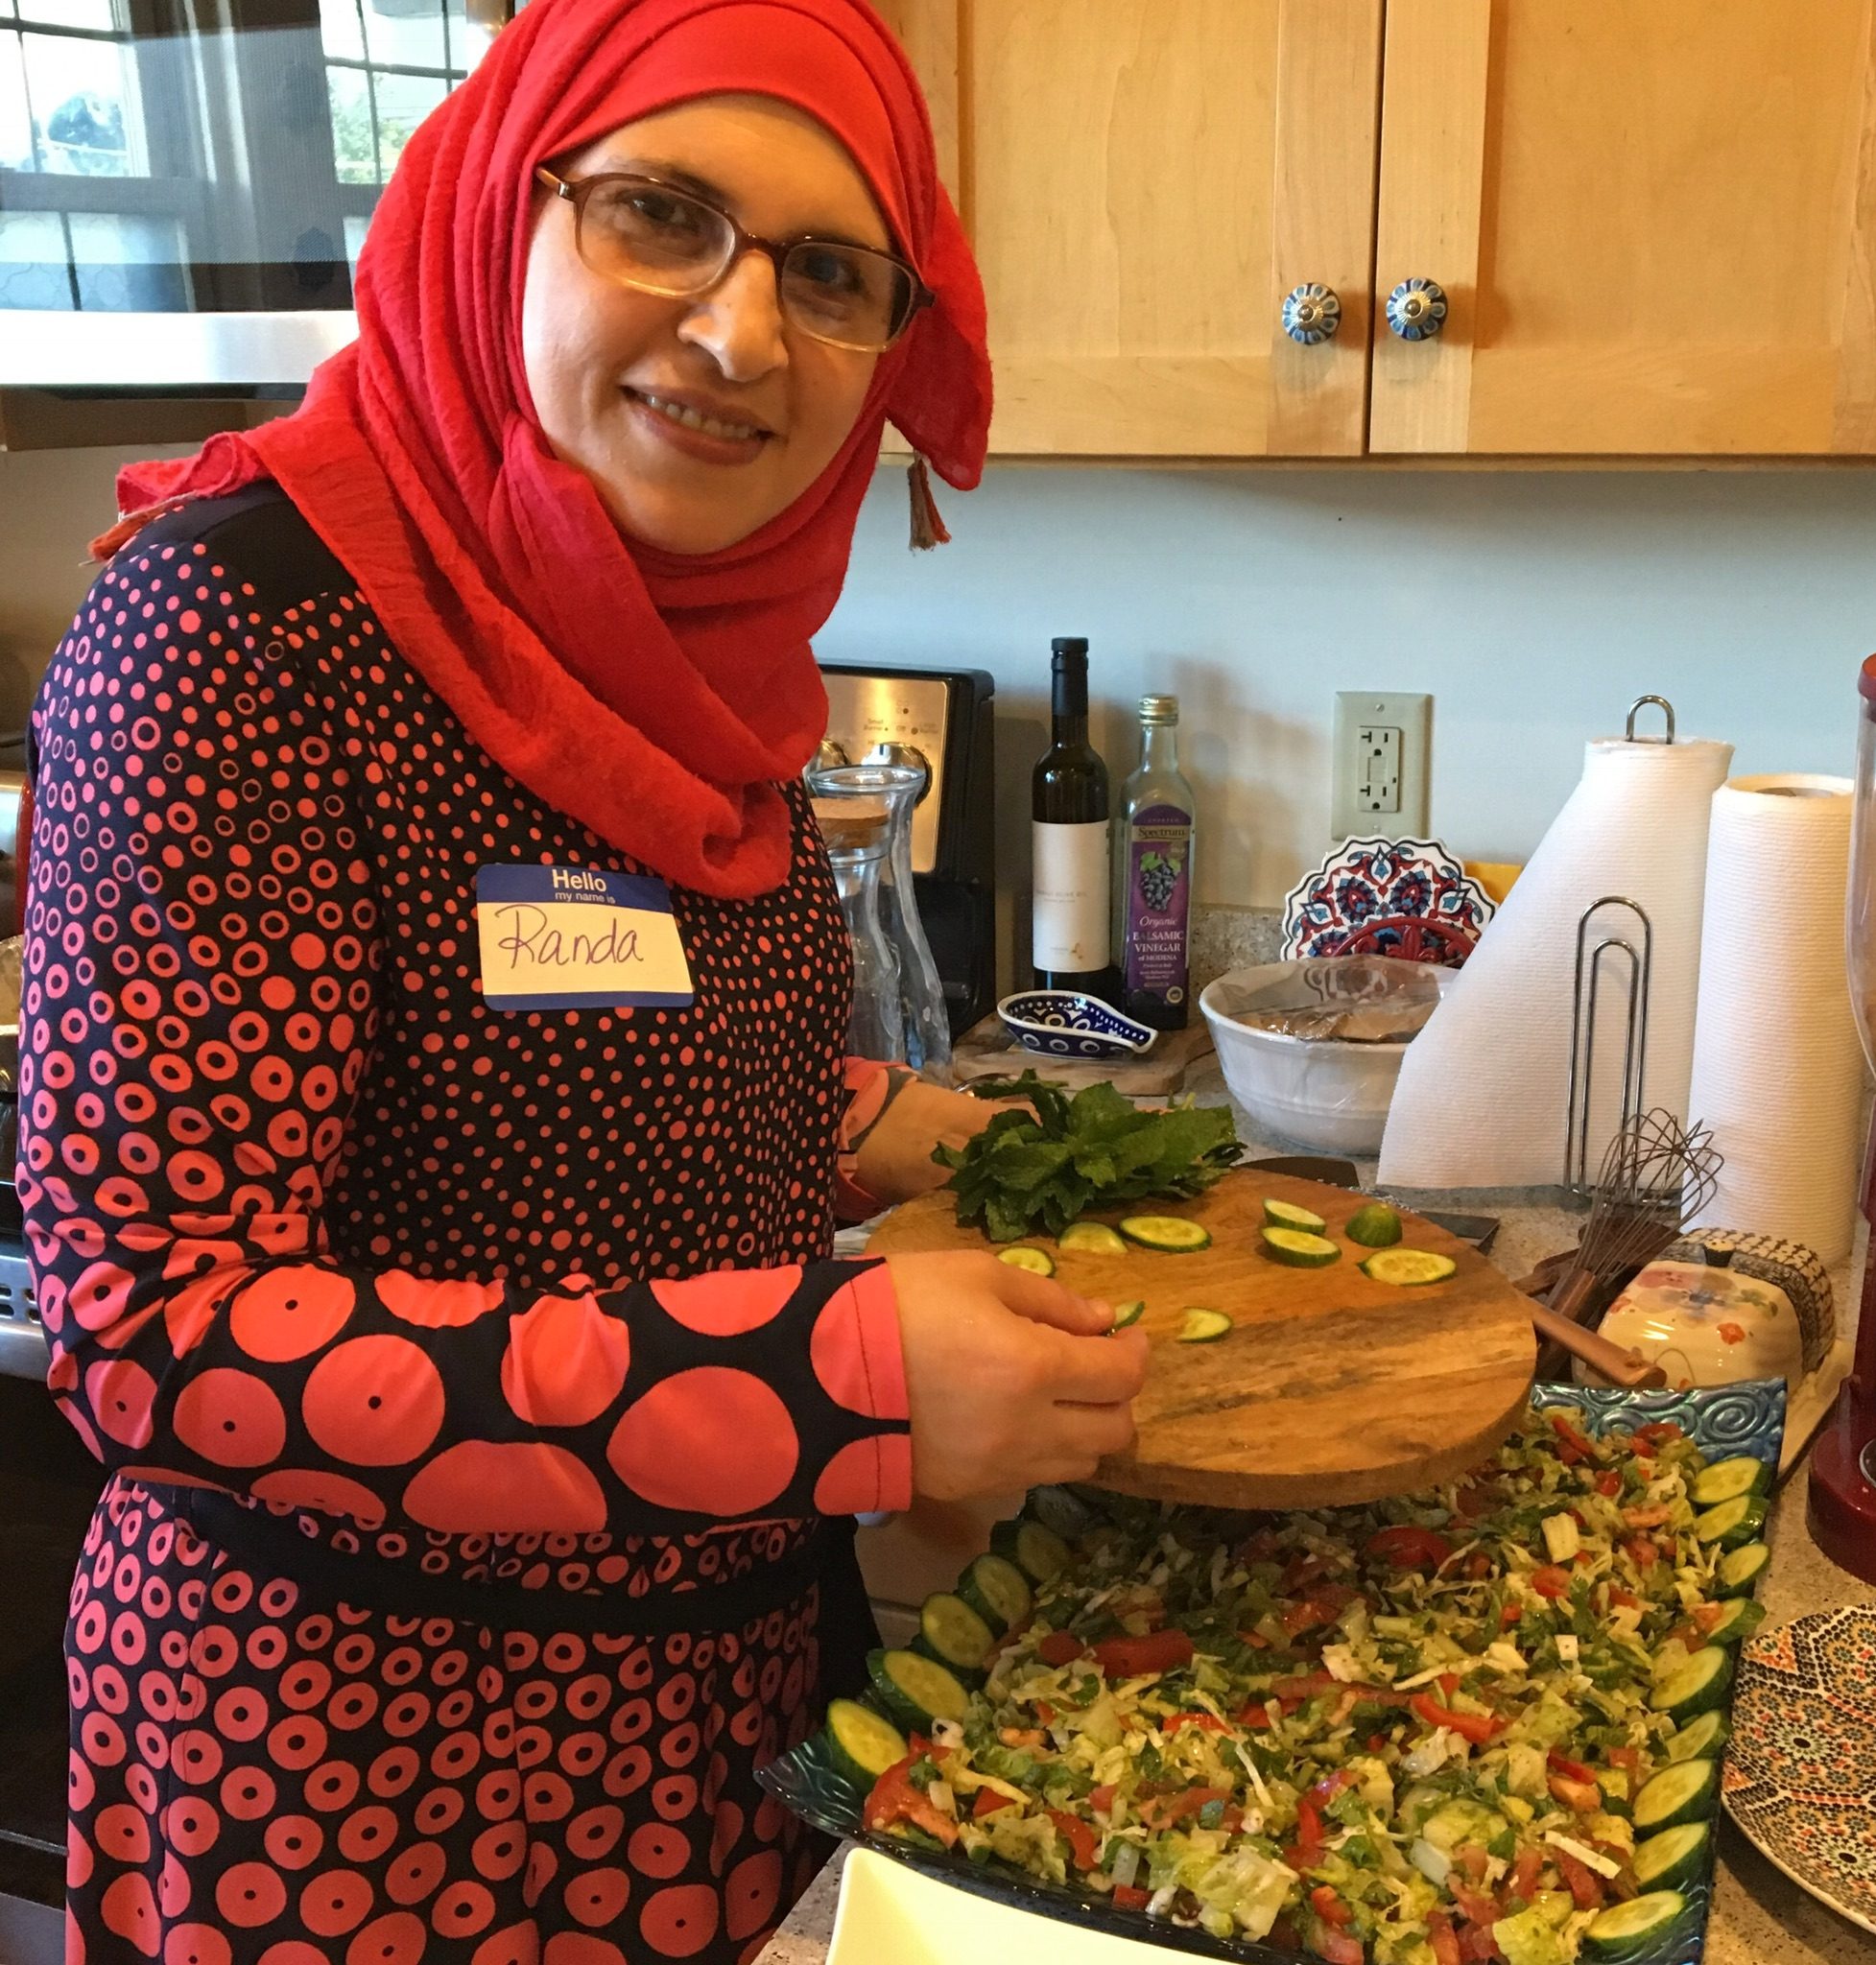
[[1483, 1097], [1777, 1065]]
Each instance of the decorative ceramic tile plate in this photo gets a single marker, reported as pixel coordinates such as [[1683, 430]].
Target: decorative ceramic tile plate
[[1722, 1421], [1800, 1776], [1408, 898], [1060, 1023]]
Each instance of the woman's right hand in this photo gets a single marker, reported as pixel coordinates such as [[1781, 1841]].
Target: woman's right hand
[[1012, 1380]]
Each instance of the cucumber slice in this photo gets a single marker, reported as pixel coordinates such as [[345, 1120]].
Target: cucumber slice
[[998, 1591], [915, 1690], [1407, 1268], [1635, 1929], [1741, 1617], [1675, 1858], [1039, 1555], [1287, 1215], [1685, 1791], [953, 1633], [1730, 1481], [1703, 1737], [1695, 1688], [1126, 1313], [1204, 1327], [1091, 1237], [1740, 1569], [1374, 1226], [1299, 1249], [1733, 1522], [1169, 1234], [860, 1743], [1039, 1262]]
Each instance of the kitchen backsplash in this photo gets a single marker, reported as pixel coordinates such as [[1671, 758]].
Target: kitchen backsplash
[[1534, 606]]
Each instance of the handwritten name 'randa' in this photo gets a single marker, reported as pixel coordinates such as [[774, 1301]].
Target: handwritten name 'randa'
[[525, 934]]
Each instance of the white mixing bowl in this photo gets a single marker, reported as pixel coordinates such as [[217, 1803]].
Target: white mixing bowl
[[1317, 1092]]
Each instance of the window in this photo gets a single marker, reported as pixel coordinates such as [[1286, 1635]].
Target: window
[[208, 155]]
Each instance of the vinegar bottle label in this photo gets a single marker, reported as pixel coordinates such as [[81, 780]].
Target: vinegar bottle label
[[1158, 903]]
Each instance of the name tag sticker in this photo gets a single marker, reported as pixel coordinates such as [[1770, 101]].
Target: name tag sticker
[[564, 937]]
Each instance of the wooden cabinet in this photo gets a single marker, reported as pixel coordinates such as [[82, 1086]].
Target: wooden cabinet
[[1144, 180], [1655, 227]]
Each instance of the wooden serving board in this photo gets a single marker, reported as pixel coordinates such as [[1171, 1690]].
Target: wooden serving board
[[1333, 1389]]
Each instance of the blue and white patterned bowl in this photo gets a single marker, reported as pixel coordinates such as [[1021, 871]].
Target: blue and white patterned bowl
[[1061, 1023]]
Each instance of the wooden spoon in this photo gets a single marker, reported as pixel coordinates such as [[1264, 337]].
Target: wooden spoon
[[1557, 1321]]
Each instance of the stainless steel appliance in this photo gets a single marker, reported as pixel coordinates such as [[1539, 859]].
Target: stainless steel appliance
[[939, 719], [184, 184]]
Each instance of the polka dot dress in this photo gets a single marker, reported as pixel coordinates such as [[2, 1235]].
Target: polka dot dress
[[530, 1309]]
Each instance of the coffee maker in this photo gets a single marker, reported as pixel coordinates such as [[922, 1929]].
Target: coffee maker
[[939, 719]]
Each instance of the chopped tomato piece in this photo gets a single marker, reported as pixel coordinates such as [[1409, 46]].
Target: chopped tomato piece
[[1101, 1799], [1337, 1947], [987, 1803], [1080, 1838], [1260, 1547], [894, 1799], [1443, 1939], [1707, 1615], [1474, 1905], [1650, 1517], [1162, 1812], [1045, 1712], [1581, 1881], [1309, 1829], [1060, 1648], [1523, 1883], [1478, 1945], [1510, 1614], [1573, 1445], [1473, 1860], [1659, 1432], [1377, 1742], [1609, 1482], [1134, 1657], [1206, 1723], [1330, 1785], [1629, 1760], [1256, 1718], [1550, 1581], [1643, 1552], [1585, 1797], [1575, 1770], [1477, 1727], [1256, 1639], [1410, 1547], [1130, 1897], [1327, 1906], [1322, 1605], [1021, 1736], [1479, 1567]]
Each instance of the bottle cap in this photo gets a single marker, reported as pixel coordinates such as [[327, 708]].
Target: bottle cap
[[1070, 645], [1159, 709]]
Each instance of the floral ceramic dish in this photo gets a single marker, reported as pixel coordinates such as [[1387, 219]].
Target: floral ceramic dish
[[1800, 1775], [1408, 898], [1061, 1023]]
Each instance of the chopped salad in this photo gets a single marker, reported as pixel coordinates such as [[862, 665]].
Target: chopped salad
[[1479, 1724]]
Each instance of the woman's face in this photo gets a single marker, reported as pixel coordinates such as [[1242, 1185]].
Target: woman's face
[[608, 366]]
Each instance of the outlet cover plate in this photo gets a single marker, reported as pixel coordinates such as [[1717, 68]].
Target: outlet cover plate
[[1358, 714]]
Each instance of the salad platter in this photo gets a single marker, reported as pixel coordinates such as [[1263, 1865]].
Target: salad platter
[[1483, 1723]]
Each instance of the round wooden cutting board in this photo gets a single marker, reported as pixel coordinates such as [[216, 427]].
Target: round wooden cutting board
[[1333, 1389]]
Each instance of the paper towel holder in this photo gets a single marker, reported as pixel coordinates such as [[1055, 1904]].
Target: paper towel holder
[[1667, 710], [1627, 949]]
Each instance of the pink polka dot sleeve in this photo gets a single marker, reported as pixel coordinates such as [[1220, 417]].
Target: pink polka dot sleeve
[[205, 982]]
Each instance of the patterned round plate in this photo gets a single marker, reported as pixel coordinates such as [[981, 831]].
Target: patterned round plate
[[1800, 1775], [1401, 897]]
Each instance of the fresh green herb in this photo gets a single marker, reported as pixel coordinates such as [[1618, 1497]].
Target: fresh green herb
[[1026, 1175]]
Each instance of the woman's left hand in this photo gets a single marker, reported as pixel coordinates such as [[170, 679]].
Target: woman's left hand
[[894, 1162]]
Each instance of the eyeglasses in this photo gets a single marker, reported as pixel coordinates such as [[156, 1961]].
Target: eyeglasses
[[647, 235]]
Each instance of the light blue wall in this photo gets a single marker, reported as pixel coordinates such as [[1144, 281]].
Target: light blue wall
[[1534, 606]]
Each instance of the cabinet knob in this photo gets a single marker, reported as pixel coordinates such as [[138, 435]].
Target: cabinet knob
[[1417, 310], [1312, 313]]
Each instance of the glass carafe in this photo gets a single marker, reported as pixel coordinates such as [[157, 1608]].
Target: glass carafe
[[857, 847], [895, 788]]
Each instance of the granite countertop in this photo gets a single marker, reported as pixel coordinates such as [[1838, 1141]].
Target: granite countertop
[[1760, 1917]]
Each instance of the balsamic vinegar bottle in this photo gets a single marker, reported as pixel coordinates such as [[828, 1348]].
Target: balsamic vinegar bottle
[[1070, 841], [1154, 874]]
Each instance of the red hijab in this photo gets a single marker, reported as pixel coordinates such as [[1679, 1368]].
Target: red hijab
[[655, 698]]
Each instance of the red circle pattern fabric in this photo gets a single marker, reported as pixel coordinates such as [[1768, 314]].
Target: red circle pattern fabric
[[655, 698]]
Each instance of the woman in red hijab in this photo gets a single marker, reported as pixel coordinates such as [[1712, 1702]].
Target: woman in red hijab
[[432, 1094]]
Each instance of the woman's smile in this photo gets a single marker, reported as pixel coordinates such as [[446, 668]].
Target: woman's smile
[[707, 432]]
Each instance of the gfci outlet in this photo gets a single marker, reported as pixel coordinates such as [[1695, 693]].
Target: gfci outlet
[[1383, 762]]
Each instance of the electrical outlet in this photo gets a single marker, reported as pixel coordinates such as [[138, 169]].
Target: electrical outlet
[[1381, 765]]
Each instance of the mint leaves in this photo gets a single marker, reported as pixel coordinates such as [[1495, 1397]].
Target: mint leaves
[[1028, 1177]]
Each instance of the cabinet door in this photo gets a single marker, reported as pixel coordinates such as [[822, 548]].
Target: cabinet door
[[1144, 180], [1655, 227]]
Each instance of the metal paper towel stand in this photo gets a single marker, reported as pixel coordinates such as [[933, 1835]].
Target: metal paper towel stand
[[1627, 952]]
